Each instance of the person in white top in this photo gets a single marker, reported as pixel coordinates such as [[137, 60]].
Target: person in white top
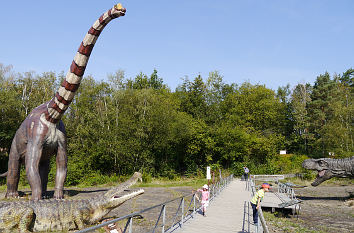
[[246, 171]]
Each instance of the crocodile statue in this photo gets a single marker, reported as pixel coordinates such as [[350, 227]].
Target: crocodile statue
[[64, 215], [328, 168], [42, 133]]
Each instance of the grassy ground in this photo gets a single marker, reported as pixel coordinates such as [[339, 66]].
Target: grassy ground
[[282, 223]]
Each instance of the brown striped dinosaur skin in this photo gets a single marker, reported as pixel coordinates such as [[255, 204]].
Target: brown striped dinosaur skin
[[42, 133]]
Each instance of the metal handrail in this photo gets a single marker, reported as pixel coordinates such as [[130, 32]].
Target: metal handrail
[[215, 189]]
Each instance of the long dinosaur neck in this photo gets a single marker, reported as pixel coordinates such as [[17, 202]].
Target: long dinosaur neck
[[57, 106]]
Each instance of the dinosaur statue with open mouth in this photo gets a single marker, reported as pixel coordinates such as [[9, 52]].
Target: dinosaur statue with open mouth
[[328, 168]]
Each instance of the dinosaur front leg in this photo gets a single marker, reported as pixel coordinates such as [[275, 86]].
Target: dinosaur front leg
[[62, 160], [13, 175], [34, 153]]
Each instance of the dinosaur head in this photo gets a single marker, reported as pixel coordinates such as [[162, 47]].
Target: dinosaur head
[[118, 195], [325, 167], [120, 9], [114, 197]]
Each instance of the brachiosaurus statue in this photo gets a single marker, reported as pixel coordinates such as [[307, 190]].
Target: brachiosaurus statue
[[42, 133]]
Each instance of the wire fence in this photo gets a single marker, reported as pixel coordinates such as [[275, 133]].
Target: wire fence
[[166, 221]]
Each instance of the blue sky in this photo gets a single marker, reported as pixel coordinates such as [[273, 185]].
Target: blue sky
[[271, 42]]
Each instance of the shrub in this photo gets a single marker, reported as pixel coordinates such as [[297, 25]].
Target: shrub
[[147, 177]]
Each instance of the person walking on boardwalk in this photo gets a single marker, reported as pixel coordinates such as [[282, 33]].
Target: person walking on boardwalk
[[256, 201], [205, 198], [245, 173]]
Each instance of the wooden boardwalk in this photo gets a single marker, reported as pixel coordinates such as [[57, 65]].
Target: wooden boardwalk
[[229, 212]]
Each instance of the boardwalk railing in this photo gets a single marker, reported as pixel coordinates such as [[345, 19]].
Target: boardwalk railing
[[181, 215], [267, 177]]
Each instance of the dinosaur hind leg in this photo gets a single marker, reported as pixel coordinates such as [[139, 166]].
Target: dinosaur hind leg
[[34, 153], [43, 173], [13, 175]]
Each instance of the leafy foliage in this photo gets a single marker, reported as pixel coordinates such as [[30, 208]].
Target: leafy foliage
[[124, 125]]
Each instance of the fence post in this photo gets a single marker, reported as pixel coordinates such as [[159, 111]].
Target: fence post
[[163, 218], [130, 225], [182, 212], [263, 222], [194, 204]]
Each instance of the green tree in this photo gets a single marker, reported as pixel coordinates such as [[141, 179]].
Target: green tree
[[10, 112], [216, 92], [320, 112], [300, 100], [193, 97], [142, 81], [337, 132], [257, 107]]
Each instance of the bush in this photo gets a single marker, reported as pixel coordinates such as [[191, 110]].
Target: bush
[[147, 177], [289, 163], [237, 168]]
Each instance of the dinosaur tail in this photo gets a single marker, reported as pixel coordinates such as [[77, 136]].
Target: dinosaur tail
[[3, 174], [66, 92]]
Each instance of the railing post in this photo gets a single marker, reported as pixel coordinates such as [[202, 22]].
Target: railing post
[[194, 204], [163, 218], [182, 211], [130, 229], [263, 222]]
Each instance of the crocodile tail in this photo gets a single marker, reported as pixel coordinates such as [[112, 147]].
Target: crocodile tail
[[3, 174], [66, 92]]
